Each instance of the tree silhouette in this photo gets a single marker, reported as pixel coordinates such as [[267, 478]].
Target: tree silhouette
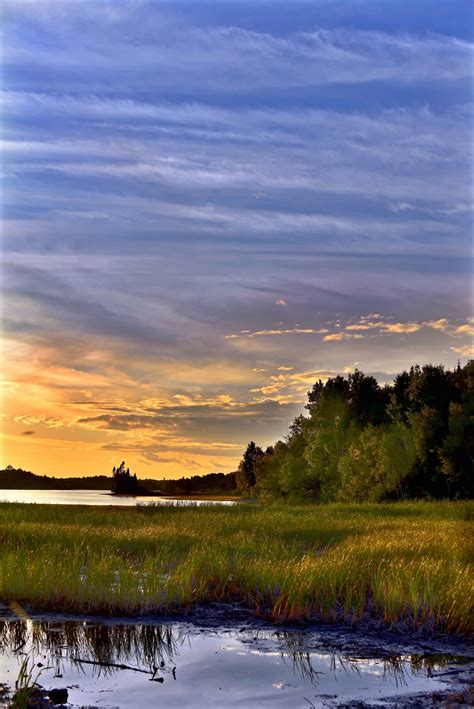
[[123, 483], [246, 473]]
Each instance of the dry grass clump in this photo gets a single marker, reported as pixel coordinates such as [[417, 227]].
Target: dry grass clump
[[405, 564]]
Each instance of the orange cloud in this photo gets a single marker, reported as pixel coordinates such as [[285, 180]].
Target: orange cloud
[[464, 350], [272, 332], [466, 329], [295, 382], [396, 327], [400, 327], [339, 336], [442, 324]]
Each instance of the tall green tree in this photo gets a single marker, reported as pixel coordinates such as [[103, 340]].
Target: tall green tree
[[414, 438], [457, 450], [330, 433], [359, 474], [367, 400], [268, 472], [246, 473]]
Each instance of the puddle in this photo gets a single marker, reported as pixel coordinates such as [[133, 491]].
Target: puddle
[[106, 663]]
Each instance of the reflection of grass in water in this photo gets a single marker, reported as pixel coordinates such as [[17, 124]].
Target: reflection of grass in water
[[294, 649], [404, 564], [155, 647], [143, 644]]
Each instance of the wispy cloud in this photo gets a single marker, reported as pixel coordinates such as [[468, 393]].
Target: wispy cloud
[[441, 325], [397, 327], [200, 203], [208, 56], [340, 336], [275, 332]]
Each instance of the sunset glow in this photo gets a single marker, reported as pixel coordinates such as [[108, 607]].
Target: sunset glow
[[195, 230]]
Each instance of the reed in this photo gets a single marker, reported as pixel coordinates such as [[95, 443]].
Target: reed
[[407, 565]]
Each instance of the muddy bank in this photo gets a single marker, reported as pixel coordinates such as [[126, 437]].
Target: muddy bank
[[364, 635]]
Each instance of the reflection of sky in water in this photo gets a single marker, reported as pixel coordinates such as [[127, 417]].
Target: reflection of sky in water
[[203, 668], [95, 497]]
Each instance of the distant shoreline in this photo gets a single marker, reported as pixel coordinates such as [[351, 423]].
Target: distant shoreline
[[150, 493], [197, 486], [211, 497], [204, 496]]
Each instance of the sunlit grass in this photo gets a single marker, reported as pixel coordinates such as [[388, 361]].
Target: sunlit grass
[[406, 565]]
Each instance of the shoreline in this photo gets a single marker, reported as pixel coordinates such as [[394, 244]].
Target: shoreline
[[365, 636], [197, 498], [226, 614]]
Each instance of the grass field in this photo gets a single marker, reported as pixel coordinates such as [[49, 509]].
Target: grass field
[[405, 564]]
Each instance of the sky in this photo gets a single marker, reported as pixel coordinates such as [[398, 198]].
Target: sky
[[208, 206]]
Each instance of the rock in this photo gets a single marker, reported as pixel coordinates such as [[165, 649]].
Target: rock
[[58, 696]]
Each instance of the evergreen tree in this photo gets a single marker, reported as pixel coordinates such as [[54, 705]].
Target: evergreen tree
[[123, 483]]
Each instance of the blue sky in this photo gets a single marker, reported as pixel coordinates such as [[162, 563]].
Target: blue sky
[[207, 206]]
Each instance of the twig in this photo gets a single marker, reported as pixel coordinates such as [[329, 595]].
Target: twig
[[111, 664]]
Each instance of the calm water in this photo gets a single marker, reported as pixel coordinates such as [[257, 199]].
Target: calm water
[[94, 497], [145, 664]]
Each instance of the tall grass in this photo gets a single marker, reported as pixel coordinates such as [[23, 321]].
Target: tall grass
[[406, 565]]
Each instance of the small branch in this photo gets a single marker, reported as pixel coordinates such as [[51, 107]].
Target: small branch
[[110, 664]]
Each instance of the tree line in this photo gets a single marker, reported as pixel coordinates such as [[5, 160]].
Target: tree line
[[122, 482], [360, 441], [212, 483], [16, 478]]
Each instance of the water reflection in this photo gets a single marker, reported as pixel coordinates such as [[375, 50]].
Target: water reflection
[[154, 649], [107, 648], [99, 497]]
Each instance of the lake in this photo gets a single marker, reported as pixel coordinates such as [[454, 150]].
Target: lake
[[95, 497], [126, 664]]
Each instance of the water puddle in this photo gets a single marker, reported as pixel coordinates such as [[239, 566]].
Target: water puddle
[[105, 663]]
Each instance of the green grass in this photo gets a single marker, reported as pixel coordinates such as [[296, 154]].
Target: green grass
[[405, 564]]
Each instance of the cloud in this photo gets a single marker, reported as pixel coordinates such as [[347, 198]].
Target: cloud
[[162, 193], [350, 368], [165, 49], [399, 327], [293, 384], [440, 325], [340, 336], [464, 350], [50, 421], [466, 329], [273, 332], [217, 154], [373, 324], [390, 327], [201, 429]]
